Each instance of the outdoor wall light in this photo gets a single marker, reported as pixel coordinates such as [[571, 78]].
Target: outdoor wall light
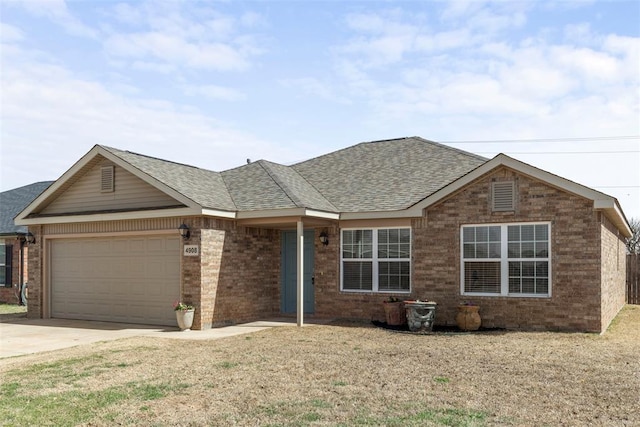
[[324, 238], [30, 238], [184, 231]]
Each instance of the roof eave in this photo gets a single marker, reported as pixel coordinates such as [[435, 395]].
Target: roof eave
[[288, 212], [22, 217], [600, 200]]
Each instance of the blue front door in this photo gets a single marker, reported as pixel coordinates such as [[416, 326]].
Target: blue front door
[[289, 272]]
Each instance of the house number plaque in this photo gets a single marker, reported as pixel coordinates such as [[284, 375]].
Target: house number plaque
[[191, 250]]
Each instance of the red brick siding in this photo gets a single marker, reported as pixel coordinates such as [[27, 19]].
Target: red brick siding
[[9, 294], [613, 270], [34, 268], [330, 301], [575, 254]]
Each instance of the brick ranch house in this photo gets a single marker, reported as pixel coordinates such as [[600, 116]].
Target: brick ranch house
[[405, 217], [14, 252]]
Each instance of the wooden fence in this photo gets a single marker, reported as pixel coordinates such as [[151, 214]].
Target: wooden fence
[[633, 279]]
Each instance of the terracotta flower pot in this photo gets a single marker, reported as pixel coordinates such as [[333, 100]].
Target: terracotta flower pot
[[468, 318], [394, 313]]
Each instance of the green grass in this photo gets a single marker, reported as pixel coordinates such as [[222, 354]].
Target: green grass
[[72, 407], [12, 309], [429, 417]]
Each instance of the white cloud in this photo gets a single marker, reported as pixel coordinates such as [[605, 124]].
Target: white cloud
[[161, 47], [9, 33], [214, 92], [184, 35], [57, 12], [47, 109]]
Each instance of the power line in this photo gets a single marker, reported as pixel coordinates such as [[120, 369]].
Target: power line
[[560, 152], [525, 141]]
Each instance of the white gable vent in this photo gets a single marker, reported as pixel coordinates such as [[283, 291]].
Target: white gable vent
[[503, 196], [107, 179]]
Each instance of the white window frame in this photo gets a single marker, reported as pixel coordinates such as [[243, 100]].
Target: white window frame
[[375, 261], [504, 261]]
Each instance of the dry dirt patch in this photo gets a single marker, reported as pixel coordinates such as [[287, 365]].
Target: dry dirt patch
[[352, 374]]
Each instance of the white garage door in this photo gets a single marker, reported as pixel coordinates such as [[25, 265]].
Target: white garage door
[[131, 280]]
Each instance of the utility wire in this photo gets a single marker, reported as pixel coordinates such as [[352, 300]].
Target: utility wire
[[525, 141], [560, 152]]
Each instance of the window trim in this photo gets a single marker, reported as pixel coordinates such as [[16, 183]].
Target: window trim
[[504, 261], [375, 261]]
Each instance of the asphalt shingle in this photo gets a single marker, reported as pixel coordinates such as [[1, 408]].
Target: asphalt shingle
[[203, 186], [12, 202], [369, 177], [386, 175]]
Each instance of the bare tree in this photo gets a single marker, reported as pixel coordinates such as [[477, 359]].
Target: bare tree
[[633, 242]]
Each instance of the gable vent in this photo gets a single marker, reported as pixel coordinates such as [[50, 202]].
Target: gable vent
[[107, 179], [503, 196]]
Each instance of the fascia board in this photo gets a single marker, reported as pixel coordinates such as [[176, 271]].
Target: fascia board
[[219, 214], [615, 214], [77, 166], [518, 166], [299, 212], [84, 160], [322, 214], [408, 213], [116, 216]]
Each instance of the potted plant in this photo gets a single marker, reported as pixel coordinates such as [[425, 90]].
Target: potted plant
[[184, 315], [468, 317], [394, 311], [420, 315]]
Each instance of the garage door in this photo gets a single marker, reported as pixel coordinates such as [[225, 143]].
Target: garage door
[[131, 280]]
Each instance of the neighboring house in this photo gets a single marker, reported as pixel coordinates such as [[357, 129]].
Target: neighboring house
[[404, 217], [13, 248]]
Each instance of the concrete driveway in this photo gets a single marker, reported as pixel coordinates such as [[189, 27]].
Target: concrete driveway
[[26, 336]]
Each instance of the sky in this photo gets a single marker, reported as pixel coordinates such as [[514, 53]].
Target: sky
[[212, 84]]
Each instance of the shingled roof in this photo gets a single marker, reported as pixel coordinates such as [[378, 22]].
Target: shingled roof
[[12, 202], [372, 176], [203, 186], [386, 175]]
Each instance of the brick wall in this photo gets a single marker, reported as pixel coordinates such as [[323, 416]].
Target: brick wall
[[8, 294], [575, 255], [575, 261], [34, 268], [613, 270], [249, 275]]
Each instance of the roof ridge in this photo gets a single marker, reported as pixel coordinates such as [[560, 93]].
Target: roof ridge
[[112, 149], [273, 175], [298, 174], [439, 144]]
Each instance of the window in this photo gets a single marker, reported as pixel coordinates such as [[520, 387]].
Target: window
[[376, 260], [6, 252], [506, 259]]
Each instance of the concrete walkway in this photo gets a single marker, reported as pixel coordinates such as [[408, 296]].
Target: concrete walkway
[[27, 336]]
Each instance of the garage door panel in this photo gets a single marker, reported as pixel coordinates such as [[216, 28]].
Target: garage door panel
[[133, 279]]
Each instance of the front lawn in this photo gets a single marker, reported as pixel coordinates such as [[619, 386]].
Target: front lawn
[[12, 311], [348, 374]]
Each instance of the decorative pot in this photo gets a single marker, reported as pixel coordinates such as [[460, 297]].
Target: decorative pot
[[394, 313], [420, 315], [185, 319], [468, 318]]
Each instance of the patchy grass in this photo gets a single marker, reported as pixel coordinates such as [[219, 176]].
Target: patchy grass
[[346, 374], [12, 311]]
